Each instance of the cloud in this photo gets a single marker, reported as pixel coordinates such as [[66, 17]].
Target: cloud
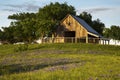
[[95, 9], [98, 9], [14, 6], [11, 10], [21, 7], [25, 6]]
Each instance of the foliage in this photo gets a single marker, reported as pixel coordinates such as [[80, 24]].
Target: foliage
[[106, 32], [26, 27], [112, 32], [115, 32], [22, 29], [98, 26], [45, 28], [7, 34], [87, 17], [1, 35], [61, 61], [95, 24], [51, 15], [55, 11], [21, 47]]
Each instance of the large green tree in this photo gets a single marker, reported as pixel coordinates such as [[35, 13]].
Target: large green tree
[[112, 32], [7, 34], [115, 32], [51, 15], [24, 26], [27, 27], [106, 32], [98, 26], [1, 35], [44, 28]]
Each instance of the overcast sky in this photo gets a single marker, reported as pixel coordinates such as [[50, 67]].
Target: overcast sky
[[108, 11]]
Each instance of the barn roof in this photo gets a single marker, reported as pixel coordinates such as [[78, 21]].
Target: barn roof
[[85, 25]]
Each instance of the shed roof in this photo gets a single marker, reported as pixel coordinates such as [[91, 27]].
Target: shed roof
[[85, 25]]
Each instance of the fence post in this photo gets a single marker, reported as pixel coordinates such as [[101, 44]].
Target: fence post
[[86, 39], [72, 39], [75, 40]]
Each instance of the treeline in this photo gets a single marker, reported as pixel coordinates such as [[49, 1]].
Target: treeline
[[112, 32], [27, 27]]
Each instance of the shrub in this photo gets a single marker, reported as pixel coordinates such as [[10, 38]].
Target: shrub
[[21, 47]]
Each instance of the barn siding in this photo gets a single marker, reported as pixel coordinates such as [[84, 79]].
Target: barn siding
[[69, 23], [72, 25]]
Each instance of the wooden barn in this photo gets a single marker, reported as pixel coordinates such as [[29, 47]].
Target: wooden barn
[[74, 29]]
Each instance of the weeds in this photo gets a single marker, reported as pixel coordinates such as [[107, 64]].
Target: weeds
[[59, 62], [21, 47]]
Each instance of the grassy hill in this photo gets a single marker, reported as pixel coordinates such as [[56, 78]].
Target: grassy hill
[[59, 62]]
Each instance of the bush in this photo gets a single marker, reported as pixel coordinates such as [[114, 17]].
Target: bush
[[21, 47]]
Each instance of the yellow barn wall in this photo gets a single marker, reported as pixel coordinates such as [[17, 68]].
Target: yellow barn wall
[[74, 26]]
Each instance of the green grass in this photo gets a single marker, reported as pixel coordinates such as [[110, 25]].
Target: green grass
[[60, 62]]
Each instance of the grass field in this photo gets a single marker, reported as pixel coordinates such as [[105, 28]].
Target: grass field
[[59, 62]]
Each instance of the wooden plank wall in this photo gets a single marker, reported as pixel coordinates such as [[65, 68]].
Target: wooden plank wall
[[72, 25]]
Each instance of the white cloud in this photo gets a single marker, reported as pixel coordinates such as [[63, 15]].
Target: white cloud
[[21, 7]]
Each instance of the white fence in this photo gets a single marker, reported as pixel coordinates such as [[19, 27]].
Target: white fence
[[73, 40], [114, 42]]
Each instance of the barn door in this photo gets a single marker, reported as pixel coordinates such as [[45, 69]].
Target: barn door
[[69, 36]]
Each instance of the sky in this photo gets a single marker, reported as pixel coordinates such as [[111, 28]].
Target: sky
[[108, 11]]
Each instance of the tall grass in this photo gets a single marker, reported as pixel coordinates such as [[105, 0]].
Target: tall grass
[[60, 62]]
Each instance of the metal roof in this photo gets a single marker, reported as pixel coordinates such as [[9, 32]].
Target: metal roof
[[86, 26]]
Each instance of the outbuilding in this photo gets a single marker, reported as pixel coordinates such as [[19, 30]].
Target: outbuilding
[[75, 29]]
